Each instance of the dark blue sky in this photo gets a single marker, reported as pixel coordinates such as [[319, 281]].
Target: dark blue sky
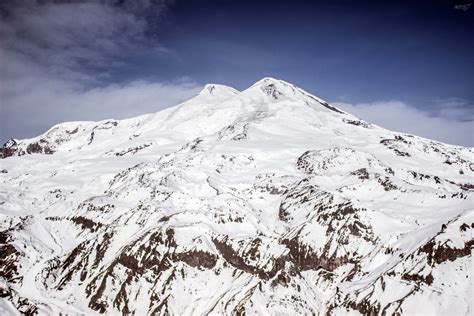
[[416, 51]]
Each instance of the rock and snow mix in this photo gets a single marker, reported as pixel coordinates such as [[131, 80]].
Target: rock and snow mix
[[265, 201]]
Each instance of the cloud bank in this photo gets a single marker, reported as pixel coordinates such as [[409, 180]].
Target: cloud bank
[[449, 121]]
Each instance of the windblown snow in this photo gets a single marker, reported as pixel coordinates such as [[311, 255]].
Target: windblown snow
[[268, 201]]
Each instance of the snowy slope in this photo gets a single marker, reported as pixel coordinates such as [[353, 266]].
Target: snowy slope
[[264, 201]]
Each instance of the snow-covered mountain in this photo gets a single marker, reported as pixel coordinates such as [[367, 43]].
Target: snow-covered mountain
[[265, 201]]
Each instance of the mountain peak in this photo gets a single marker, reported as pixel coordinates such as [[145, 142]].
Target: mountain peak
[[269, 81], [218, 90], [279, 89], [273, 88]]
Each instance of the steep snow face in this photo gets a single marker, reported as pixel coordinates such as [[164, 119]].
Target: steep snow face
[[265, 201]]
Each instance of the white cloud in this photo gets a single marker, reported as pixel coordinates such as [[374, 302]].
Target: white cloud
[[447, 123], [32, 103], [454, 109], [63, 36]]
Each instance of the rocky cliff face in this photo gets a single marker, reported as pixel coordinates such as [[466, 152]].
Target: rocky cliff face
[[264, 201]]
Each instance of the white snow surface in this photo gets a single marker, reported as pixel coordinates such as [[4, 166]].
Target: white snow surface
[[267, 201]]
